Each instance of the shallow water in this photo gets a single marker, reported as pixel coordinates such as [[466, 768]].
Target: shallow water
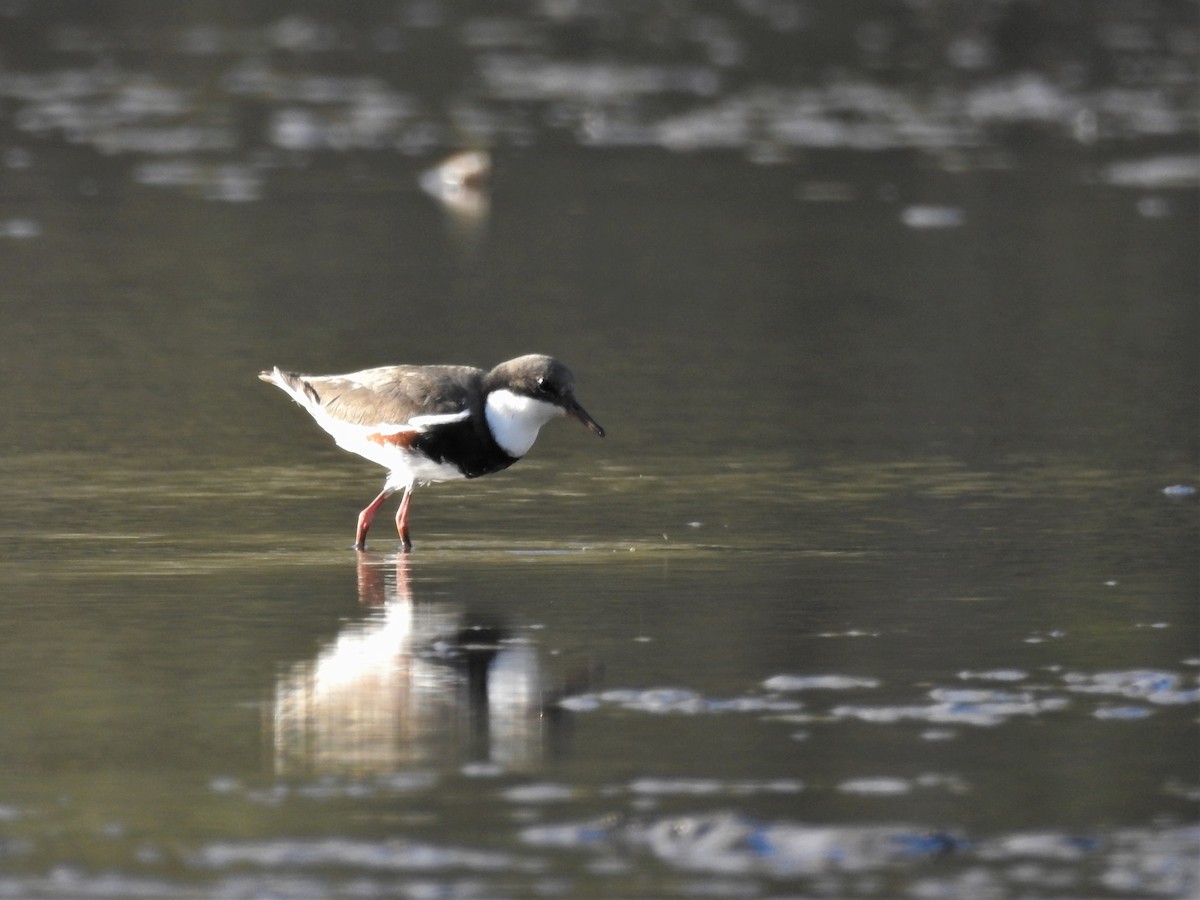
[[882, 584]]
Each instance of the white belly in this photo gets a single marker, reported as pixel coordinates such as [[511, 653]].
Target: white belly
[[406, 468]]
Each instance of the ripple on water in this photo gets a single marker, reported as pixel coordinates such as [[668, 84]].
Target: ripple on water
[[540, 792], [393, 854], [993, 675], [1151, 685], [1159, 862], [707, 787], [674, 700], [818, 682], [880, 785], [958, 707], [970, 706]]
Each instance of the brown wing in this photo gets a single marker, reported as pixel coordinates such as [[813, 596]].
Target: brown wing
[[394, 394]]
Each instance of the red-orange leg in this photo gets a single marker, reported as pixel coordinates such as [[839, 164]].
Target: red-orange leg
[[402, 519], [366, 516]]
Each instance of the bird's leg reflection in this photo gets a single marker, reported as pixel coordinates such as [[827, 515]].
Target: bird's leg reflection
[[412, 683], [372, 589]]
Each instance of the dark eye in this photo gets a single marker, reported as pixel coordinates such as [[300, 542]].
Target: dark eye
[[545, 386]]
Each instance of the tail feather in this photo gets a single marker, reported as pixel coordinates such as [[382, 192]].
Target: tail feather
[[294, 384]]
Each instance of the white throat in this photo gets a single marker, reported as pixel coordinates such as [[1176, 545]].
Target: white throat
[[515, 420]]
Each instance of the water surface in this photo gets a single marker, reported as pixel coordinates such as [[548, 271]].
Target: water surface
[[883, 583]]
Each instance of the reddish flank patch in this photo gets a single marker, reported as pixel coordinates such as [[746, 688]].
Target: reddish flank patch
[[398, 439]]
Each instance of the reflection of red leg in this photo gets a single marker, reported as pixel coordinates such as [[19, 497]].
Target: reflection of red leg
[[403, 588], [402, 519], [371, 591], [365, 517]]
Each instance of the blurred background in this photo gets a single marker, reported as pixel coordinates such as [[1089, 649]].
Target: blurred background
[[755, 198], [883, 582]]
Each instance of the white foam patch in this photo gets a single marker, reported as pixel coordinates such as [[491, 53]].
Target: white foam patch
[[712, 786], [674, 700], [1181, 171], [540, 792], [726, 843], [392, 855], [993, 675], [933, 217], [1152, 685], [818, 682], [982, 708], [1122, 712], [878, 785]]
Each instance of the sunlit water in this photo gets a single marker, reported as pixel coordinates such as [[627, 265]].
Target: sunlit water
[[883, 583]]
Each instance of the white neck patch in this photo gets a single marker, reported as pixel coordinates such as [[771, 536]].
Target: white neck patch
[[516, 420]]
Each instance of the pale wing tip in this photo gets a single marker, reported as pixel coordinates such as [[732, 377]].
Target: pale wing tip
[[270, 376]]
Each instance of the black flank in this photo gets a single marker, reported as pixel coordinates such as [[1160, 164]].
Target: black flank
[[465, 445]]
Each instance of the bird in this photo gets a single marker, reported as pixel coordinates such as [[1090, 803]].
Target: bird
[[435, 423]]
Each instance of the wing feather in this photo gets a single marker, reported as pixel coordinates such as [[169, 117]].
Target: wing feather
[[395, 397]]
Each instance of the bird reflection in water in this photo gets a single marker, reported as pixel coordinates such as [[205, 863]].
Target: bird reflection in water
[[414, 683], [462, 183]]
